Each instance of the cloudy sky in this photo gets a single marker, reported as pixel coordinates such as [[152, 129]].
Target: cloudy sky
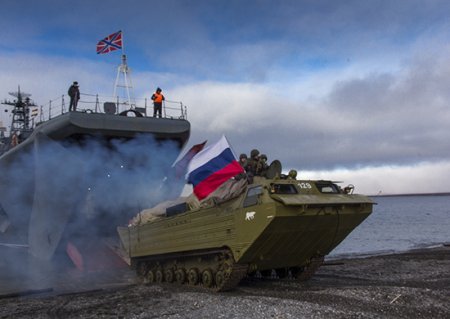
[[357, 91]]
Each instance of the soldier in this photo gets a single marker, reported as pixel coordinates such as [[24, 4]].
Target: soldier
[[243, 163], [292, 174], [262, 167], [252, 163], [243, 160]]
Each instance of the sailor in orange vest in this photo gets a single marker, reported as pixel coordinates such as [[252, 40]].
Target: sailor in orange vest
[[157, 98]]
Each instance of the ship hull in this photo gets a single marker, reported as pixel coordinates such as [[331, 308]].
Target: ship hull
[[34, 204]]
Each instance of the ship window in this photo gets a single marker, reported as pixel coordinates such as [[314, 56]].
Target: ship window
[[252, 196], [283, 189]]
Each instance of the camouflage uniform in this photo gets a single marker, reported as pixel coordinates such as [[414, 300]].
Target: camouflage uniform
[[243, 160], [262, 167], [252, 163]]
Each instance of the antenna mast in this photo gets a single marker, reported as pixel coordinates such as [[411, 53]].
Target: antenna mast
[[21, 112], [124, 72]]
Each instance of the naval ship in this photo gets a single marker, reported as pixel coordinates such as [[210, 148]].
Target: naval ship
[[58, 169]]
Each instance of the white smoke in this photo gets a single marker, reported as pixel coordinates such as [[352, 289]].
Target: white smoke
[[79, 191]]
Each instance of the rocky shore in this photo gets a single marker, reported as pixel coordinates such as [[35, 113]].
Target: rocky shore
[[415, 284]]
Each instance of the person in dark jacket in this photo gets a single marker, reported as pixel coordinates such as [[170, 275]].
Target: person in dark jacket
[[157, 98], [74, 94]]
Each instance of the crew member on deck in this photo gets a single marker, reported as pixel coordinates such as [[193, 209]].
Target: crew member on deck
[[74, 94], [157, 98]]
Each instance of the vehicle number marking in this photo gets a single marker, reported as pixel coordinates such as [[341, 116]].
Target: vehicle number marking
[[305, 185]]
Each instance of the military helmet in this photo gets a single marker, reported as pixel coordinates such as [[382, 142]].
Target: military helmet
[[243, 155], [292, 173], [263, 156], [254, 153]]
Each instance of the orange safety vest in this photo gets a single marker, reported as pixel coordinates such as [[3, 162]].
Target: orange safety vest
[[158, 98]]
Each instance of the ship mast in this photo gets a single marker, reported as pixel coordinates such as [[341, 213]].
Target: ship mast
[[20, 123], [123, 79]]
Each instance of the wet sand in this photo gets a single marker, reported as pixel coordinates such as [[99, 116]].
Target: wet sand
[[415, 284]]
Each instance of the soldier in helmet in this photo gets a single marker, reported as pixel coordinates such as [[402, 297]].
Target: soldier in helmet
[[262, 167], [243, 163], [252, 163], [292, 174], [243, 160]]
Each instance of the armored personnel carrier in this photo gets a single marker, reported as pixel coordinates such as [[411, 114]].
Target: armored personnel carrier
[[271, 226]]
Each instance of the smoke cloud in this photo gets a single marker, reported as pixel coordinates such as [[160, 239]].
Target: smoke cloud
[[78, 192]]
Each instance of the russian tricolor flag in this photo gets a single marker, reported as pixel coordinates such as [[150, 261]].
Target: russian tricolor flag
[[211, 167]]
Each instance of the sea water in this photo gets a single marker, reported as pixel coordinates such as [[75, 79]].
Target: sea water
[[399, 223]]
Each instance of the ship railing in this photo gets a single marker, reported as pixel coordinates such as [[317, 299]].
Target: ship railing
[[94, 103]]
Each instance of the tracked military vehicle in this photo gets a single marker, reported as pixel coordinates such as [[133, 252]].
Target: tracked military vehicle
[[273, 226]]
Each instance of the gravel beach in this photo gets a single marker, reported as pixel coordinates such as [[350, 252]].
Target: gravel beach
[[415, 284]]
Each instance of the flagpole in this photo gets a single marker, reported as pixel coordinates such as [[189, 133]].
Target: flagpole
[[116, 84], [123, 43], [123, 66]]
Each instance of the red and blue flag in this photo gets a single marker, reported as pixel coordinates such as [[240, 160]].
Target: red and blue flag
[[112, 42], [212, 167]]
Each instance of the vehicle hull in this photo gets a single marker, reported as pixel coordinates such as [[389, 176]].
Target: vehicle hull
[[265, 236]]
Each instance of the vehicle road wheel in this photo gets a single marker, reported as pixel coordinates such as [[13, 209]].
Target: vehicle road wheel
[[159, 276], [193, 276], [150, 276], [168, 275], [207, 278], [180, 276], [220, 279]]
